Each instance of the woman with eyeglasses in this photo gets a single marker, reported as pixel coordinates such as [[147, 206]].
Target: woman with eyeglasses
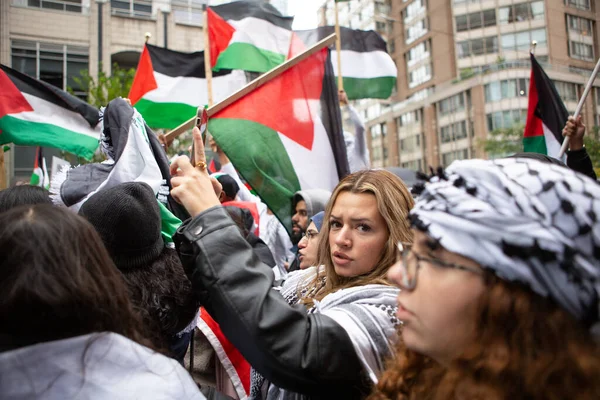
[[308, 245], [500, 288], [328, 331]]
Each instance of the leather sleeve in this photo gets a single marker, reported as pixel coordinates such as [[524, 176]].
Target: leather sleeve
[[292, 349]]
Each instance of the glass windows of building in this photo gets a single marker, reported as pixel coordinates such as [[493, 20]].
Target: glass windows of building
[[59, 5], [567, 90], [453, 132], [415, 165], [475, 47], [521, 12], [521, 41], [410, 143], [413, 9], [416, 30], [57, 65], [583, 26], [506, 89], [506, 119], [132, 8], [419, 75], [410, 118], [581, 4], [418, 53], [452, 104], [475, 20], [581, 51], [188, 11], [448, 158]]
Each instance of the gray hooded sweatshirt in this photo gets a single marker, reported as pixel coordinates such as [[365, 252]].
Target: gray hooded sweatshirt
[[93, 367], [315, 199]]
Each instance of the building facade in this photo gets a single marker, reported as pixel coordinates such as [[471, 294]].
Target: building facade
[[463, 71], [54, 40]]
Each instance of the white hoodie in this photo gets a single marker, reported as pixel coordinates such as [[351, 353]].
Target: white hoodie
[[92, 367]]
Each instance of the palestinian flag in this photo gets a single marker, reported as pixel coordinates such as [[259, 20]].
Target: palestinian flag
[[368, 71], [134, 155], [40, 172], [35, 113], [235, 365], [286, 135], [248, 35], [546, 115], [169, 86]]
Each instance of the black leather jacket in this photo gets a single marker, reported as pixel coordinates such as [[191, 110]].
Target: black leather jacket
[[308, 354]]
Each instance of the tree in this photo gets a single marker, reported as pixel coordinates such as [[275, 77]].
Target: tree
[[503, 142], [106, 87]]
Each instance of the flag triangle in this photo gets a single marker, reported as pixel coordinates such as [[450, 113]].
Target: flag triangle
[[144, 80], [12, 100]]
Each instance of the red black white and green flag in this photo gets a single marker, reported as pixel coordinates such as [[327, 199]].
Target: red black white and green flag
[[248, 35], [40, 176], [35, 113], [286, 135], [169, 86], [546, 115]]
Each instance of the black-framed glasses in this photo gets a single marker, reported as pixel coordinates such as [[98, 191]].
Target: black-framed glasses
[[411, 262]]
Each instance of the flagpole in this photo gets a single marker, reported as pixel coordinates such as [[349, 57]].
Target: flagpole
[[338, 47], [2, 169], [207, 66], [255, 84], [588, 87]]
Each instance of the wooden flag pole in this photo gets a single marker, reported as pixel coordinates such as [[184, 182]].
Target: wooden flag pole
[[588, 87], [207, 66], [338, 47], [2, 169], [255, 84]]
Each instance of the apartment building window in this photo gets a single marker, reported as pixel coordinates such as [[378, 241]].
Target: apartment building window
[[375, 131], [408, 119], [583, 26], [413, 9], [416, 30], [188, 12], [59, 5], [581, 51], [410, 143], [132, 8], [521, 12], [453, 132], [447, 158], [55, 64], [506, 119], [452, 104], [415, 165], [522, 40], [567, 90], [506, 89], [581, 4], [418, 53], [475, 47], [420, 75], [475, 20]]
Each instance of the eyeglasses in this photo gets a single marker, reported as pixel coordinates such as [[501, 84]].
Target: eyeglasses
[[410, 262], [310, 235]]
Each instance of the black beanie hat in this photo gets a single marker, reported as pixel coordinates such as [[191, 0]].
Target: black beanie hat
[[127, 217]]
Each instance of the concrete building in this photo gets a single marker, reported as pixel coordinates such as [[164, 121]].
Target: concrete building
[[463, 71], [54, 40]]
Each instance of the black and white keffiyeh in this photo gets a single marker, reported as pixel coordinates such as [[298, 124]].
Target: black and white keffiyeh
[[527, 221]]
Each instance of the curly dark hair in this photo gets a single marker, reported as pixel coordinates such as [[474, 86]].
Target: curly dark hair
[[58, 281], [526, 348], [162, 295]]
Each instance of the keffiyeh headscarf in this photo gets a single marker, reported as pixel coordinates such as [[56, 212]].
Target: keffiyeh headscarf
[[527, 221]]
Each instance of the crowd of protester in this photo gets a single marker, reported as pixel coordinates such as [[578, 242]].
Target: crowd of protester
[[482, 283]]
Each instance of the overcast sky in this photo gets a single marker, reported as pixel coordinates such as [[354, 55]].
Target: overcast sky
[[304, 12]]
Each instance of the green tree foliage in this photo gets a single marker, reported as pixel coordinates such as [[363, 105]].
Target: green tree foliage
[[504, 142], [105, 87]]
